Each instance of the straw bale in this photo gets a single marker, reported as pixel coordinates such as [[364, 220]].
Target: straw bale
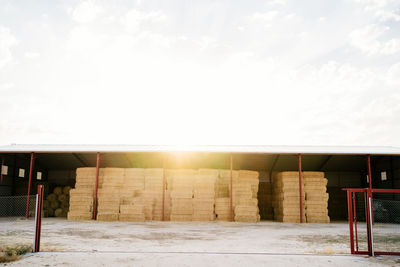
[[134, 173], [247, 218], [107, 216], [79, 216], [181, 218], [308, 174], [153, 172], [132, 217], [227, 173], [86, 171]]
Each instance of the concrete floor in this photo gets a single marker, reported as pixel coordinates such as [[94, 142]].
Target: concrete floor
[[194, 244]]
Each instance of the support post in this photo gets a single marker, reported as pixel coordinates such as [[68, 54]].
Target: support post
[[369, 192], [163, 192], [369, 211], [230, 185], [96, 186], [355, 218], [38, 217], [300, 190], [29, 184], [369, 171], [350, 215]]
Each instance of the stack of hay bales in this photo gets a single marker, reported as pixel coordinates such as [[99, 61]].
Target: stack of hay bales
[[223, 183], [265, 197], [222, 194], [81, 197], [132, 210], [132, 203], [286, 201], [153, 186], [223, 208], [316, 197], [204, 195], [109, 194], [57, 203], [182, 195], [244, 196]]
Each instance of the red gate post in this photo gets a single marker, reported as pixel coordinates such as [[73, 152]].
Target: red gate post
[[355, 218], [369, 222], [29, 184], [163, 191], [231, 203], [370, 184], [350, 215], [96, 186], [38, 219], [300, 190]]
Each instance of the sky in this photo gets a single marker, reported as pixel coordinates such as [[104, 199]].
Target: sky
[[181, 72]]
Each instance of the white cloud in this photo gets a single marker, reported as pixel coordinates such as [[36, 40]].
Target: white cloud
[[265, 17], [86, 12], [135, 20], [277, 2], [384, 10], [367, 40], [7, 41], [32, 55]]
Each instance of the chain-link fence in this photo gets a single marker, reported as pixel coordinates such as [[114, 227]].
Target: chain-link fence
[[15, 207], [15, 230], [360, 225], [386, 222]]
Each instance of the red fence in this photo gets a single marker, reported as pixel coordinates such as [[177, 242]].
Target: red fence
[[374, 221]]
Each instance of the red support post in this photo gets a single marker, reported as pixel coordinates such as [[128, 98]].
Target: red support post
[[369, 192], [300, 190], [163, 192], [38, 221], [368, 218], [96, 186], [29, 184], [230, 185], [1, 170], [369, 171], [350, 215], [355, 218]]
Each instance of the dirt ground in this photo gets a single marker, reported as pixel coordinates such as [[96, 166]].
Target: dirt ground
[[94, 243]]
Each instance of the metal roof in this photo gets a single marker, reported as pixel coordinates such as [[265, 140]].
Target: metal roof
[[263, 149]]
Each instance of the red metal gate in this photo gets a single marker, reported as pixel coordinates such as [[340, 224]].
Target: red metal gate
[[368, 208]]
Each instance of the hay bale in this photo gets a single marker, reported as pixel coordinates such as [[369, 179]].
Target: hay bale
[[58, 212], [58, 190], [50, 212], [54, 204], [66, 190], [62, 197], [52, 197]]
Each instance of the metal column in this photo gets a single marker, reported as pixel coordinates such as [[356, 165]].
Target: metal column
[[29, 184], [369, 171], [350, 216], [230, 185], [96, 186], [38, 217], [300, 190], [163, 192]]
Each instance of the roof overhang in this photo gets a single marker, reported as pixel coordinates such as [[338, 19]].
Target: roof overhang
[[261, 149]]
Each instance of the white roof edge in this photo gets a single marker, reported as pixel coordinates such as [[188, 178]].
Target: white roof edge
[[264, 149]]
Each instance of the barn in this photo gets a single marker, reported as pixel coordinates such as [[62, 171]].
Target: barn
[[55, 166]]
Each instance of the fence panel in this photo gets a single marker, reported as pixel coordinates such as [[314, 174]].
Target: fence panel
[[386, 226], [12, 219]]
